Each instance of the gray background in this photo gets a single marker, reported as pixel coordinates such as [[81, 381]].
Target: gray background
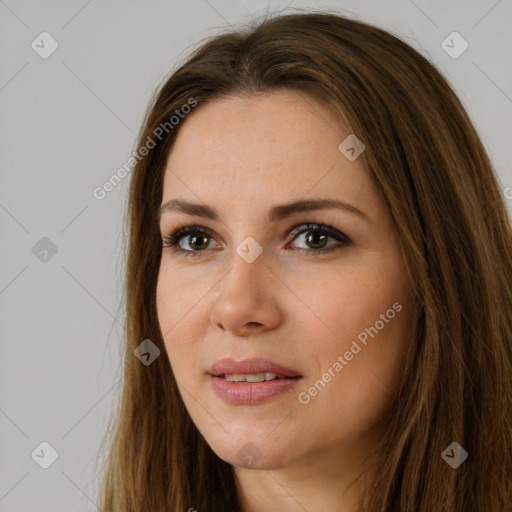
[[67, 123]]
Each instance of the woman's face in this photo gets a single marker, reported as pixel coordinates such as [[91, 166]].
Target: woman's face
[[253, 288]]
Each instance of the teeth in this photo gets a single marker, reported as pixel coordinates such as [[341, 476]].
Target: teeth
[[250, 377]]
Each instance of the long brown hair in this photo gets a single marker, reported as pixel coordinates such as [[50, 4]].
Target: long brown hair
[[425, 156]]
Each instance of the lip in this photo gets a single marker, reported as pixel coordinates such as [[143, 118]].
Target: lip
[[251, 393], [229, 366]]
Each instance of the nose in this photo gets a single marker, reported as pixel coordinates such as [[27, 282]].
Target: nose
[[246, 301]]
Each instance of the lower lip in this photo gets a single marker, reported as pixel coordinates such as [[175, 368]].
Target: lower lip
[[248, 393]]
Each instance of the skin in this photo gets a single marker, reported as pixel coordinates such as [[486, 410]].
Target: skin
[[242, 156]]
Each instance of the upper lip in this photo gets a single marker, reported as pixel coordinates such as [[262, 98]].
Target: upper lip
[[230, 366]]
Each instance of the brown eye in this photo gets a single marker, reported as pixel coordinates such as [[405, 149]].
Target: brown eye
[[198, 240], [317, 236]]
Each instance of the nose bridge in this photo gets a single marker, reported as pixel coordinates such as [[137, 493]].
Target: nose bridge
[[243, 295], [247, 266]]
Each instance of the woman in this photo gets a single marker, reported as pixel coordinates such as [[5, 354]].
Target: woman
[[320, 252]]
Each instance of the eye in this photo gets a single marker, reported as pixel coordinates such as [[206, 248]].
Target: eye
[[200, 237], [317, 236]]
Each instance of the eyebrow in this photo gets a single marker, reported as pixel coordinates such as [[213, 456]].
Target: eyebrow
[[275, 214]]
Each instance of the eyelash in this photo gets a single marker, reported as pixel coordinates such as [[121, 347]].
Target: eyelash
[[171, 241]]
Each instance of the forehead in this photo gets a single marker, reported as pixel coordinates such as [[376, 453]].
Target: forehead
[[261, 149]]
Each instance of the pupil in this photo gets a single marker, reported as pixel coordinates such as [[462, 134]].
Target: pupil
[[195, 237], [312, 238]]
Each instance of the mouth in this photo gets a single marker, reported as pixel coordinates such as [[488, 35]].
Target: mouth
[[253, 377], [251, 381], [260, 369]]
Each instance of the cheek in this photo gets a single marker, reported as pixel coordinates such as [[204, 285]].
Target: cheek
[[365, 316], [340, 304], [178, 297], [183, 312], [365, 381], [172, 306]]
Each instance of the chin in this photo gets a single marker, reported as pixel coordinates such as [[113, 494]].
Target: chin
[[251, 451]]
